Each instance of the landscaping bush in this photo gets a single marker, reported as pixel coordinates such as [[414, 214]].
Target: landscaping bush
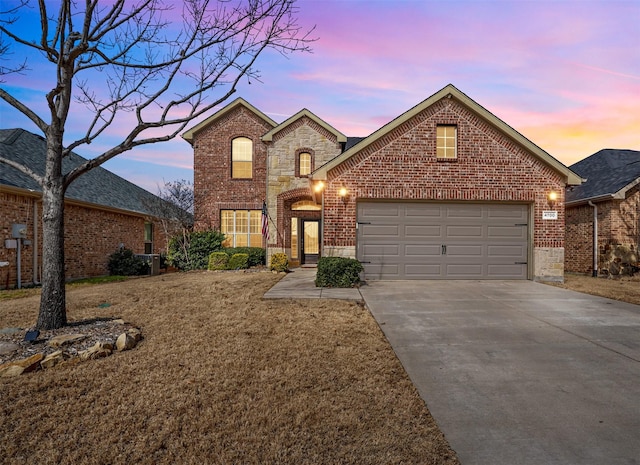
[[257, 255], [191, 251], [239, 261], [338, 272], [123, 262], [218, 261], [279, 262]]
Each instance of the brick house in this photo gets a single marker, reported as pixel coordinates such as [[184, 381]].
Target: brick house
[[609, 202], [444, 191], [102, 212]]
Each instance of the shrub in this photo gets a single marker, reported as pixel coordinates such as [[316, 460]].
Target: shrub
[[338, 272], [239, 261], [257, 255], [218, 261], [191, 251], [123, 262], [279, 262]]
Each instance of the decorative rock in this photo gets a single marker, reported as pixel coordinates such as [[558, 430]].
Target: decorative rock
[[125, 342], [135, 333], [64, 339], [53, 359], [7, 347], [10, 370], [29, 364], [99, 350], [119, 321]]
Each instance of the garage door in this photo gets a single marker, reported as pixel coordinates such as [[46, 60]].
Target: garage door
[[406, 240]]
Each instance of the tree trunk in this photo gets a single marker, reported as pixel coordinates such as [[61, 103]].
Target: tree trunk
[[53, 312]]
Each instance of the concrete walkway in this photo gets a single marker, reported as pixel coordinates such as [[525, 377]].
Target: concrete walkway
[[299, 284]]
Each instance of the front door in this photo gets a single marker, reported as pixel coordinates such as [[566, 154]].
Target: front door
[[310, 241]]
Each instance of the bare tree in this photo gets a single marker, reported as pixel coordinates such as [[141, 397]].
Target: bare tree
[[173, 207], [142, 61]]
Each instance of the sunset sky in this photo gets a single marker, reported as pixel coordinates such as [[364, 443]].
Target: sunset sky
[[564, 73]]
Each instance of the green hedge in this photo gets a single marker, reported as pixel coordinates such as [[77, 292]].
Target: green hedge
[[338, 272], [192, 251], [257, 255], [238, 261], [123, 262], [218, 261], [279, 262]]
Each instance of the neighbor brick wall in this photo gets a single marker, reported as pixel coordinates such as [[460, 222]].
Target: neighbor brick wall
[[214, 188], [91, 235], [618, 224], [402, 165]]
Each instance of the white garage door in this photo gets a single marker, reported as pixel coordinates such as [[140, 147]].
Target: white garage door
[[407, 240]]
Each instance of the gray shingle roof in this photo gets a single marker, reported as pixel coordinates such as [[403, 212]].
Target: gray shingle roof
[[608, 172], [98, 186]]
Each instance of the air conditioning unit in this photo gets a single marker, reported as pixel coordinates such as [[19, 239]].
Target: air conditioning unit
[[153, 260]]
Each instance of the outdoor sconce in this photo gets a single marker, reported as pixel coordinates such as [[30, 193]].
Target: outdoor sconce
[[344, 194], [318, 187], [552, 197]]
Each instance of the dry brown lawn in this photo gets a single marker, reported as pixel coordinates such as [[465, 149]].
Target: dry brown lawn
[[625, 288], [222, 376]]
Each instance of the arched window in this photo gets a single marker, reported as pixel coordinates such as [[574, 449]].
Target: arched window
[[304, 163], [241, 158]]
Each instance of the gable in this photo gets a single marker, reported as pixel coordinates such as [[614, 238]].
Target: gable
[[219, 115], [449, 93], [304, 116]]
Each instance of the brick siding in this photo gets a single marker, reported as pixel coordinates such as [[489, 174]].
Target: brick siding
[[214, 188], [91, 235], [618, 225]]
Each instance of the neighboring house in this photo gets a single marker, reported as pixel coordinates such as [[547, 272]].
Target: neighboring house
[[445, 191], [609, 199], [102, 213]]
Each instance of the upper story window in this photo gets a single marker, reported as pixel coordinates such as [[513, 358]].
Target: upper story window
[[304, 162], [241, 158], [446, 142]]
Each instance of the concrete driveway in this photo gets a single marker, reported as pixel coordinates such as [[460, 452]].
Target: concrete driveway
[[517, 372]]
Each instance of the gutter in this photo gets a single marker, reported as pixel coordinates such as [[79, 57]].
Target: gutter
[[595, 238]]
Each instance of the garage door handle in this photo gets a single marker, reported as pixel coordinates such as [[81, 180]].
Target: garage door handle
[[444, 250], [521, 263]]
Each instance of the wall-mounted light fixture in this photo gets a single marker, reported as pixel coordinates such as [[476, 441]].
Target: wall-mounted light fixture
[[318, 187], [344, 194], [552, 197]]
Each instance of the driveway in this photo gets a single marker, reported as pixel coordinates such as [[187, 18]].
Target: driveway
[[517, 372]]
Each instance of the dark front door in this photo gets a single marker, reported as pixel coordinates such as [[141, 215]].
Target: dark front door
[[310, 241]]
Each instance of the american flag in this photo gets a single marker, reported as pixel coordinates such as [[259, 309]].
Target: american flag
[[265, 222]]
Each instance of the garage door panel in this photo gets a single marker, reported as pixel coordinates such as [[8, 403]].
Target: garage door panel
[[465, 271], [376, 231], [516, 232], [422, 250], [423, 232], [463, 211], [462, 251], [423, 210], [422, 271], [413, 240], [464, 232], [512, 251], [382, 250]]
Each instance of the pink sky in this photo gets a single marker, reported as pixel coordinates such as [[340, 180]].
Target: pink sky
[[564, 73]]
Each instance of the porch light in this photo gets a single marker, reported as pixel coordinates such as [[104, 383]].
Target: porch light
[[318, 187], [344, 194], [552, 197]]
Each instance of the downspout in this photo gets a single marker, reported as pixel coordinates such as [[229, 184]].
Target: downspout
[[34, 249], [595, 238]]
